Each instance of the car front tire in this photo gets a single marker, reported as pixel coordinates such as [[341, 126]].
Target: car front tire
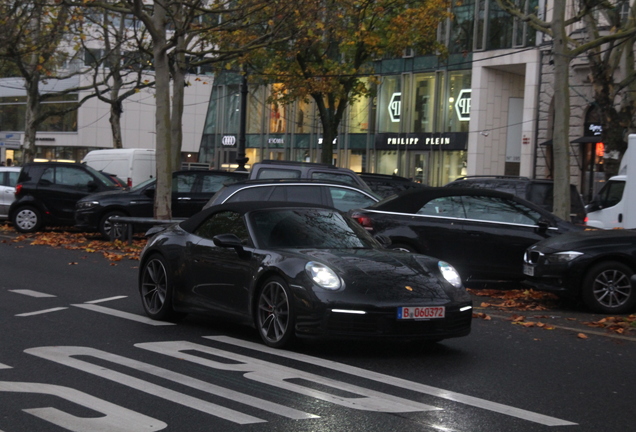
[[607, 288], [156, 289], [275, 318], [106, 225], [27, 219]]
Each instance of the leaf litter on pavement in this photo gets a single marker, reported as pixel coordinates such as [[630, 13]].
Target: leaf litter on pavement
[[528, 300], [88, 242]]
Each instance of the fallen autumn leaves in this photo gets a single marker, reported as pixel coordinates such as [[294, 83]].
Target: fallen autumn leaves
[[88, 242], [530, 300]]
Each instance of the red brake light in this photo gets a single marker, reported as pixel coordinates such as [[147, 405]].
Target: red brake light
[[18, 189], [365, 221], [129, 182]]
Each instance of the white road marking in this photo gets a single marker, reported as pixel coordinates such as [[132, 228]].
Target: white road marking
[[105, 299], [4, 366], [115, 419], [41, 312], [121, 314], [63, 355], [31, 293], [401, 383], [282, 377]]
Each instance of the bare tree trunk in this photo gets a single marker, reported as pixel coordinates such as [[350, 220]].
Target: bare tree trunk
[[31, 115], [163, 197], [561, 145], [115, 121]]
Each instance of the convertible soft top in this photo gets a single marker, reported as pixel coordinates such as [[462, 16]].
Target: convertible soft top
[[243, 207]]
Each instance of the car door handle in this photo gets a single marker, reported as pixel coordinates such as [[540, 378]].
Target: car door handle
[[184, 198], [474, 233]]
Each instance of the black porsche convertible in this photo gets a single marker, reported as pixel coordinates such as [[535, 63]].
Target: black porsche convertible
[[294, 270]]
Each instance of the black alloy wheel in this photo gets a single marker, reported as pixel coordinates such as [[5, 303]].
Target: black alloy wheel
[[275, 319], [106, 225], [607, 288], [27, 219], [156, 289]]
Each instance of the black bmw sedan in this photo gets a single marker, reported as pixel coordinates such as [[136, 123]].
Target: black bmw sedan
[[299, 270], [483, 233], [594, 266]]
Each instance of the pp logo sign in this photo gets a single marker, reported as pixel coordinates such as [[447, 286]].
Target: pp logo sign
[[395, 107], [462, 106]]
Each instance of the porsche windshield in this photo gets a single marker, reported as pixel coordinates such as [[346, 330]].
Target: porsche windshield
[[308, 228]]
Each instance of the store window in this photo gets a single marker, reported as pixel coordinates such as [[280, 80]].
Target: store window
[[232, 109], [255, 105], [424, 109], [277, 118], [303, 119], [457, 81], [390, 108], [359, 114]]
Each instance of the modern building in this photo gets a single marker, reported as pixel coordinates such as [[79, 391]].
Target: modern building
[[71, 136]]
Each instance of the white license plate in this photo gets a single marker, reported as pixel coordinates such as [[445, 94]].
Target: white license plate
[[421, 312], [528, 270]]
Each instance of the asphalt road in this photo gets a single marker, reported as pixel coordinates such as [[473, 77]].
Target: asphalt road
[[76, 353]]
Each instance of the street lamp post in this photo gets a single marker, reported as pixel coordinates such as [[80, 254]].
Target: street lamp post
[[241, 160]]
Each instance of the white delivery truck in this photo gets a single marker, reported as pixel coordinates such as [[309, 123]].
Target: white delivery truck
[[133, 165], [612, 207]]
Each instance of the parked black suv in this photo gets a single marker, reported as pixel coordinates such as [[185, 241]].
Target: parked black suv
[[46, 193], [537, 191], [190, 191], [274, 169]]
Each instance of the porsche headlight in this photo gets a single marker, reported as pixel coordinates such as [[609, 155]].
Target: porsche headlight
[[450, 274], [563, 257], [323, 276]]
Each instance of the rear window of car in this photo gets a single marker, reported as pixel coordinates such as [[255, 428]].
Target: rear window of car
[[305, 194], [343, 178], [259, 193], [277, 173], [212, 183]]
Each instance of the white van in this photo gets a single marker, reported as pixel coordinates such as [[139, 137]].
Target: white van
[[133, 165], [612, 207]]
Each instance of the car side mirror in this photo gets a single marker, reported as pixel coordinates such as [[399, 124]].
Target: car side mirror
[[150, 192], [543, 226], [384, 240], [92, 186], [231, 241]]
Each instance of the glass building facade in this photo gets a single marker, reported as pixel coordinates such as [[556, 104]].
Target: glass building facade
[[416, 125]]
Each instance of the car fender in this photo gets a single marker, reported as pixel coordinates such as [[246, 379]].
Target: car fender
[[27, 200]]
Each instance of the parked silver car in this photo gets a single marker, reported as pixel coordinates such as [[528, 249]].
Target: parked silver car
[[8, 179]]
